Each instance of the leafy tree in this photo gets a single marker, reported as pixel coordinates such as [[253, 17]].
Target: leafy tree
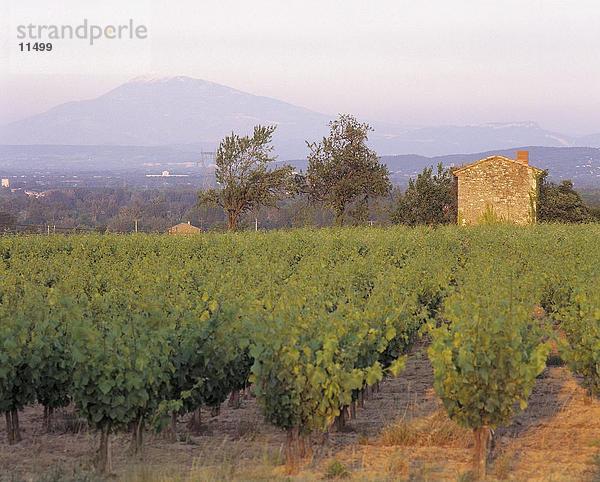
[[430, 199], [343, 172], [203, 354], [121, 364], [243, 174], [488, 353], [594, 214], [581, 326], [7, 221], [18, 314], [51, 342], [561, 203]]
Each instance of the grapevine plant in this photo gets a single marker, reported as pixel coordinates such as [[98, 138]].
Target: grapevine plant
[[135, 331]]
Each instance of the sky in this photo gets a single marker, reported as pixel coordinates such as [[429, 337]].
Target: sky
[[421, 62]]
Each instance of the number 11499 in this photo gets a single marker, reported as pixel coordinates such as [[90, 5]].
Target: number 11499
[[35, 47]]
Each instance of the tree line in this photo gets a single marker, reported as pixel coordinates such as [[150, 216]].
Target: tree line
[[344, 175], [345, 184]]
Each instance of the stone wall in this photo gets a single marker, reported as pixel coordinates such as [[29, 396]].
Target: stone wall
[[497, 189]]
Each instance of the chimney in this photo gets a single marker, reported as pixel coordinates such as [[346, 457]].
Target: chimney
[[523, 157]]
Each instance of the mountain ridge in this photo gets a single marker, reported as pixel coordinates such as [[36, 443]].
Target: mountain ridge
[[151, 111]]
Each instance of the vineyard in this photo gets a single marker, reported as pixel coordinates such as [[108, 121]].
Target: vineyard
[[134, 334]]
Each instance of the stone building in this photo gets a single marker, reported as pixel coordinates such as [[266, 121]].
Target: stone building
[[498, 189], [184, 228]]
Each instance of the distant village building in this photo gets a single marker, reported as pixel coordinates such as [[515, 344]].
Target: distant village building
[[5, 182], [35, 194], [498, 188], [167, 174], [184, 228]]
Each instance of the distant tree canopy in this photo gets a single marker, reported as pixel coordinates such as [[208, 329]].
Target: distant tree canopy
[[7, 221], [246, 182], [560, 203], [594, 214], [430, 199], [343, 172]]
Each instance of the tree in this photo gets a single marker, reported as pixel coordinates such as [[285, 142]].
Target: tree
[[489, 350], [246, 182], [7, 221], [430, 199], [594, 214], [121, 363], [343, 172], [561, 203]]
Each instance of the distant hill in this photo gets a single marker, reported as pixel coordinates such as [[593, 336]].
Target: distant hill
[[581, 164], [182, 110]]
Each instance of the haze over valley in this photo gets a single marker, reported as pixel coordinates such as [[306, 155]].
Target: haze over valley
[[153, 123]]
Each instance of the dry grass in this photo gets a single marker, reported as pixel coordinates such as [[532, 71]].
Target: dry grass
[[397, 466], [255, 473], [435, 430], [556, 437], [402, 434], [504, 464], [224, 462]]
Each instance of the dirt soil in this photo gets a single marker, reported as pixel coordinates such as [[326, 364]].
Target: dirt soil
[[556, 438]]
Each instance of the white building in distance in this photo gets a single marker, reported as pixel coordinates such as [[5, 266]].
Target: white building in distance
[[166, 174]]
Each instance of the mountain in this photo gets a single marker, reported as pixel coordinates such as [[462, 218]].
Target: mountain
[[440, 140], [174, 110], [182, 110]]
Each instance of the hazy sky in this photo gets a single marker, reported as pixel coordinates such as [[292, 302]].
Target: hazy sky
[[414, 62]]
